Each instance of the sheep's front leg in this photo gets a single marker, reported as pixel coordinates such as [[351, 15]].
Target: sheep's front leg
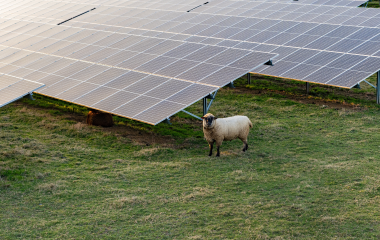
[[211, 144], [218, 143], [217, 151]]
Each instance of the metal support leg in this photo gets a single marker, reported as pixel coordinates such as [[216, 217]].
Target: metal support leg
[[307, 88], [378, 88], [204, 106], [30, 96], [167, 121], [248, 78]]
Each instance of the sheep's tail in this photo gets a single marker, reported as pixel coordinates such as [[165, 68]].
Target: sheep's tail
[[250, 123]]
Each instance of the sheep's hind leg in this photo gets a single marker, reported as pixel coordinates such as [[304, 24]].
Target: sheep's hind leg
[[245, 148], [211, 147]]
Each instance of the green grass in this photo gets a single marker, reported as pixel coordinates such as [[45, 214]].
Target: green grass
[[311, 172]]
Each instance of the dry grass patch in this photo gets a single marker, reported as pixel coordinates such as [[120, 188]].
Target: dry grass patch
[[341, 165], [17, 151], [199, 192], [145, 152], [171, 164], [196, 237], [40, 175], [128, 201], [240, 175], [51, 187]]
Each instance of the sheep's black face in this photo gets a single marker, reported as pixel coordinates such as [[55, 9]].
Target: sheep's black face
[[209, 120]]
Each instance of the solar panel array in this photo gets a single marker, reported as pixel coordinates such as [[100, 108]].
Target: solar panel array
[[147, 60], [145, 78], [343, 37]]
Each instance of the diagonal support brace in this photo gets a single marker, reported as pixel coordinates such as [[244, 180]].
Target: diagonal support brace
[[205, 111], [370, 84], [193, 115]]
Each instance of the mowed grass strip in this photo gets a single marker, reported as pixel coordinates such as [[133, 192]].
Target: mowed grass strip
[[311, 172]]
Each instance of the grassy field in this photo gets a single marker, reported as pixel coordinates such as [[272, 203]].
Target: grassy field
[[311, 172]]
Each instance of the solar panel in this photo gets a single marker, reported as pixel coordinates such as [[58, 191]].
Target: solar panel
[[12, 89], [87, 83], [147, 50]]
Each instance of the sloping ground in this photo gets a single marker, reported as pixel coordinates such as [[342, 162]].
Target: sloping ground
[[310, 172]]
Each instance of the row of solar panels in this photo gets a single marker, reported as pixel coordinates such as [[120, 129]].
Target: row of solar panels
[[133, 59], [294, 40]]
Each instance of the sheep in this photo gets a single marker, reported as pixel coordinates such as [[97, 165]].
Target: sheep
[[219, 129]]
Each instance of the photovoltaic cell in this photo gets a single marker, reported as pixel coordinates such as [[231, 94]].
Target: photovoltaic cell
[[349, 78], [323, 75], [195, 91], [77, 91], [369, 65], [114, 101], [300, 71], [168, 89], [146, 84], [281, 67], [95, 96], [159, 112], [107, 76], [346, 61], [323, 58], [220, 78], [136, 106]]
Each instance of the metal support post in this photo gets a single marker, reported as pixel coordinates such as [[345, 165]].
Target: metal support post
[[378, 88], [204, 106], [357, 86], [167, 121], [307, 88], [248, 78], [30, 96], [231, 85]]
